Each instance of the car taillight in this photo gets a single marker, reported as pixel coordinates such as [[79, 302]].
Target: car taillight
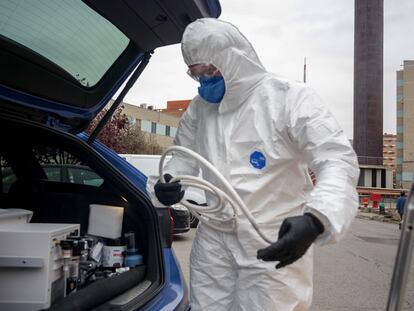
[[172, 224], [166, 225]]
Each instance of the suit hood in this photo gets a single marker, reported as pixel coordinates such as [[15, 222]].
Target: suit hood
[[208, 40]]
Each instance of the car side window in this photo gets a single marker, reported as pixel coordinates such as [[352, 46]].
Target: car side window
[[53, 173], [84, 176], [62, 166], [7, 175]]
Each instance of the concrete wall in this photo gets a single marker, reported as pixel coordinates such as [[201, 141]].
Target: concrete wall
[[389, 178]]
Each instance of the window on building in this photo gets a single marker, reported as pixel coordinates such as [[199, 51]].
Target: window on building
[[153, 127], [146, 126], [167, 130], [160, 129], [407, 176], [132, 121], [173, 131]]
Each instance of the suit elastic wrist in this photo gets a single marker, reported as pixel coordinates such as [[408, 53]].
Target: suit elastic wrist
[[318, 224]]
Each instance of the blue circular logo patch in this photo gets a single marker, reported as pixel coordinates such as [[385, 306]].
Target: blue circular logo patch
[[258, 160]]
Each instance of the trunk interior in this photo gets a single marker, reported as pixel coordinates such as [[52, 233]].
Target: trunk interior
[[60, 179]]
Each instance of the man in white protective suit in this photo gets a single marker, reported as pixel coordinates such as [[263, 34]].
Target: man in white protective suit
[[262, 133]]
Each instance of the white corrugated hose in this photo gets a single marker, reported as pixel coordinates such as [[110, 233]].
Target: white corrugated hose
[[213, 216]]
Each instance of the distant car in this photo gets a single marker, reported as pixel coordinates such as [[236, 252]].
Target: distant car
[[148, 164], [181, 217], [61, 63]]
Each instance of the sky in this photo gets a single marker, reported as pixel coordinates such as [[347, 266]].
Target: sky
[[283, 33]]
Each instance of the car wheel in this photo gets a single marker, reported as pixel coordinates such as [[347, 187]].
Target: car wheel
[[193, 221]]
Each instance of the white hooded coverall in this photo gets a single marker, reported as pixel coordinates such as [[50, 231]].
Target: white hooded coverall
[[263, 136]]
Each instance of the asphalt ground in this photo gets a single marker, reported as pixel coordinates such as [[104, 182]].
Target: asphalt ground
[[354, 274]]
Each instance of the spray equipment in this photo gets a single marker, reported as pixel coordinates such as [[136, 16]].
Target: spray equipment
[[222, 214], [131, 243], [133, 258], [113, 253], [71, 251]]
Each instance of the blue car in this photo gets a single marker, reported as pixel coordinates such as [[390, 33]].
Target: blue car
[[61, 62]]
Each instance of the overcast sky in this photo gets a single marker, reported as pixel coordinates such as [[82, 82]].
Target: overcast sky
[[283, 33]]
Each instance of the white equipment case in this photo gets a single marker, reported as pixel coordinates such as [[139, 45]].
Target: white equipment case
[[31, 264]]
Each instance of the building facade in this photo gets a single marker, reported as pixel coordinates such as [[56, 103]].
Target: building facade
[[381, 176], [375, 176], [177, 107], [405, 125], [161, 126], [368, 81], [390, 151]]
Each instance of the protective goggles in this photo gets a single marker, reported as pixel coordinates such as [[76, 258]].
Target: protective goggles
[[200, 71]]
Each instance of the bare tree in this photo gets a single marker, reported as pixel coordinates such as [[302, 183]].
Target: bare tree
[[111, 135], [51, 155], [135, 141], [122, 137]]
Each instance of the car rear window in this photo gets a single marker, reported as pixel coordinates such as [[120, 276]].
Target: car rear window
[[62, 166], [68, 33]]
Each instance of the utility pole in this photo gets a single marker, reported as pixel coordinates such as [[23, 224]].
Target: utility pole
[[304, 71]]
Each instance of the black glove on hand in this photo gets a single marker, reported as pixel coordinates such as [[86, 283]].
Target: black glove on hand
[[168, 193], [295, 236]]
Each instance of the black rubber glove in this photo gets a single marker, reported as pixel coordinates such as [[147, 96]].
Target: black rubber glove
[[168, 193], [295, 236]]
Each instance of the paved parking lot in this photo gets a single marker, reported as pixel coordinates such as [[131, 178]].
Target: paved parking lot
[[352, 275]]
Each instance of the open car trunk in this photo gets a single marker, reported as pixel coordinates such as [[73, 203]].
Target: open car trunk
[[63, 181]]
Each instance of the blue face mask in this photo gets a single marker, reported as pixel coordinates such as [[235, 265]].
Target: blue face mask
[[212, 89]]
